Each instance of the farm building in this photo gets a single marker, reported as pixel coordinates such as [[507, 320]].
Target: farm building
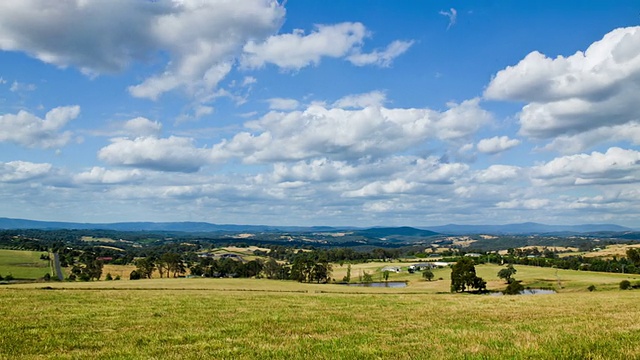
[[394, 269]]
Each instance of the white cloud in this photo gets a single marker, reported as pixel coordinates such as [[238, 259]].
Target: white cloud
[[99, 175], [170, 154], [20, 171], [141, 126], [200, 38], [350, 134], [498, 174], [571, 144], [382, 58], [615, 166], [31, 131], [22, 87], [452, 14], [374, 98], [496, 144], [282, 104], [569, 95], [528, 204], [297, 50]]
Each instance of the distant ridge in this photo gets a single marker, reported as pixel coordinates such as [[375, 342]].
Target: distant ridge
[[375, 232], [7, 223], [527, 228]]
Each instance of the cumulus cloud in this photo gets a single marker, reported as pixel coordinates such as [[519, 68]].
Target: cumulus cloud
[[381, 58], [374, 98], [141, 126], [282, 104], [615, 166], [297, 50], [350, 134], [571, 144], [528, 204], [497, 144], [575, 94], [20, 171], [99, 175], [498, 174], [28, 130], [176, 154], [200, 38]]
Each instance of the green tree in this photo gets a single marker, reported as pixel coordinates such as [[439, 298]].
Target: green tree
[[428, 274], [507, 273], [634, 256], [347, 278], [145, 267], [463, 276], [134, 275], [385, 275]]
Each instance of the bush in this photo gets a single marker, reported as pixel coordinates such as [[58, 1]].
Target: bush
[[514, 288], [625, 285], [8, 277], [117, 277], [134, 275], [108, 277], [591, 288], [46, 277]]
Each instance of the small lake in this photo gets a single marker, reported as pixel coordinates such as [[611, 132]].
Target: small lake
[[388, 284]]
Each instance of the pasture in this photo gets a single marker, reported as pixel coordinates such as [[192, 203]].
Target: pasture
[[261, 319], [23, 264]]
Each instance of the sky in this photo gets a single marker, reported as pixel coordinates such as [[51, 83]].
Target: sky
[[320, 112]]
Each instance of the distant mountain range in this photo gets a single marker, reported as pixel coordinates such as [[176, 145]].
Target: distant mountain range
[[378, 232], [527, 228]]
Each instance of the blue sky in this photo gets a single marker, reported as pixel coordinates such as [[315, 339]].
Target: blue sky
[[320, 112]]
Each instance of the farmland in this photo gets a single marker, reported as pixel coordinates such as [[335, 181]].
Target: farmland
[[23, 264], [249, 318]]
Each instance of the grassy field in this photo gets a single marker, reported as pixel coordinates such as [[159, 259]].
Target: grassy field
[[23, 264], [257, 318], [265, 324]]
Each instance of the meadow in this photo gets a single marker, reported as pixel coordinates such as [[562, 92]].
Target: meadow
[[23, 264], [194, 318], [299, 321]]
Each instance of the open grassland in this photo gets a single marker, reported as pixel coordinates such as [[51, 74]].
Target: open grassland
[[196, 324], [23, 264]]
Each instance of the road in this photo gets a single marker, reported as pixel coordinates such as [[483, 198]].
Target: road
[[56, 264]]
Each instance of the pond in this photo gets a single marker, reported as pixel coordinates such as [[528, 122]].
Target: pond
[[388, 284], [529, 292]]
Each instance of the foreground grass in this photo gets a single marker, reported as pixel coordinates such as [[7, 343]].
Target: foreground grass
[[193, 324], [23, 264]]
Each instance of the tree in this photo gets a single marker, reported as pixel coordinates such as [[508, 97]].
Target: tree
[[507, 273], [145, 267], [463, 276], [108, 277], [634, 256], [428, 274], [347, 278], [385, 275]]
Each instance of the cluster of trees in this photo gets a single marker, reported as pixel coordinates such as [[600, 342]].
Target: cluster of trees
[[87, 268]]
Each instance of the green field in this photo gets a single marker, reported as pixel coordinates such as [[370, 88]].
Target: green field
[[219, 324], [23, 264], [267, 319]]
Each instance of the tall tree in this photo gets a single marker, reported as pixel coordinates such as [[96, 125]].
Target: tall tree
[[463, 276]]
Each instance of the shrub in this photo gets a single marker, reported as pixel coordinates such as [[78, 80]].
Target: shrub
[[108, 277], [46, 277], [514, 288], [117, 277], [625, 285], [9, 277], [591, 288], [134, 275]]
